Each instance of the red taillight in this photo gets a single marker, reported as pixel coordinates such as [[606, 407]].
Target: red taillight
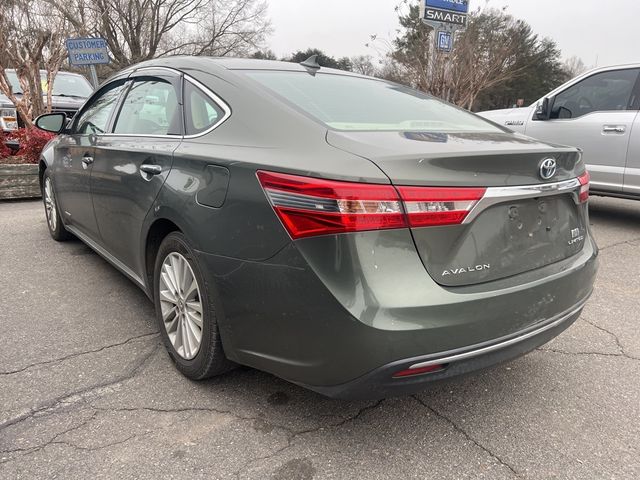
[[312, 206], [584, 179], [419, 371], [430, 206]]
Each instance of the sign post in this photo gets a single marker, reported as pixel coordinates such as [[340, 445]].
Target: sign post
[[446, 17], [88, 52]]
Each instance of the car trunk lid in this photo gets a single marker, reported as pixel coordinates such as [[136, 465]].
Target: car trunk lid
[[521, 222]]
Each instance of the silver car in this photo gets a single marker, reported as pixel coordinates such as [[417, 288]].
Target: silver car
[[597, 112]]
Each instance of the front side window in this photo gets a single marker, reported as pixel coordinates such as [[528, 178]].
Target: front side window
[[343, 102], [150, 108], [202, 112], [94, 118], [606, 91]]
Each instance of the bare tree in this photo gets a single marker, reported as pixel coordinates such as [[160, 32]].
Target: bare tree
[[363, 64], [574, 66], [494, 51], [226, 27], [31, 38], [486, 55], [138, 30]]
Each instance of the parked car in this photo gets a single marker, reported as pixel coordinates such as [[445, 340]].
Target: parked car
[[597, 112], [70, 91], [350, 235]]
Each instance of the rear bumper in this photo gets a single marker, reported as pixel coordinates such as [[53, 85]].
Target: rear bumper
[[333, 313], [381, 383]]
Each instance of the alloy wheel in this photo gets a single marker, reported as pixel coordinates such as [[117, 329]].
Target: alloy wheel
[[181, 305], [50, 205]]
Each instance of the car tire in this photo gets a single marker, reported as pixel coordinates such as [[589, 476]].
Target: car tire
[[183, 313], [51, 210]]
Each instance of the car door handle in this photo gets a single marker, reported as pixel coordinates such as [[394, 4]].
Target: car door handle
[[151, 169], [614, 129]]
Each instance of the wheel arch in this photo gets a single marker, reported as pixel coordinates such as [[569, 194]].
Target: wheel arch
[[157, 232], [42, 166]]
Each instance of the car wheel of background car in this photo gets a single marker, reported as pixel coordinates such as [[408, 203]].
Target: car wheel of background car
[[54, 221], [186, 311]]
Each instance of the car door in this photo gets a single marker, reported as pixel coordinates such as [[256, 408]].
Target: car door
[[74, 156], [133, 161], [595, 114]]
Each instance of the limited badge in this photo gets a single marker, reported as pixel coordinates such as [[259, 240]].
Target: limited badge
[[575, 237]]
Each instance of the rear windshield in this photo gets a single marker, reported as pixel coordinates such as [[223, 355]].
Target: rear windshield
[[353, 103]]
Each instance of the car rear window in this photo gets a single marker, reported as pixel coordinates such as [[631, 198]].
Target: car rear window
[[201, 112], [344, 102]]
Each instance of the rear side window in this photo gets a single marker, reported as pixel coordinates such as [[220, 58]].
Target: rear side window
[[150, 108], [95, 117], [201, 111], [606, 91]]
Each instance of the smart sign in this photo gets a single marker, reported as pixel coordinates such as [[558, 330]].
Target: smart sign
[[87, 51], [461, 6], [432, 15]]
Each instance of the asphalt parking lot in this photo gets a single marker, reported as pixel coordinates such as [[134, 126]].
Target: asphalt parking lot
[[87, 391]]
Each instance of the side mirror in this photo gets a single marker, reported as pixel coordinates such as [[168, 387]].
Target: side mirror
[[52, 122], [542, 110]]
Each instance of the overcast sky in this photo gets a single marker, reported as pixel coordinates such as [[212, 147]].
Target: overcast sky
[[599, 31]]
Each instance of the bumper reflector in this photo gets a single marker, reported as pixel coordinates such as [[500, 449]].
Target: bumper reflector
[[419, 371]]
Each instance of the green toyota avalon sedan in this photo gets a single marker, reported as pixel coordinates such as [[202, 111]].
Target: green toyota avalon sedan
[[350, 235]]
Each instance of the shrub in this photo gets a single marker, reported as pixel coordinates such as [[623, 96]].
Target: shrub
[[32, 141], [4, 150]]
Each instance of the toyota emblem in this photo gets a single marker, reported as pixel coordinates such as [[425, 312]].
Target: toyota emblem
[[548, 168]]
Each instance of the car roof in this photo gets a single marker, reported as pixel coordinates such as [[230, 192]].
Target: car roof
[[621, 66], [230, 63], [233, 63]]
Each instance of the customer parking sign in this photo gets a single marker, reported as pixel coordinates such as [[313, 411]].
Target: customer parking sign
[[87, 51]]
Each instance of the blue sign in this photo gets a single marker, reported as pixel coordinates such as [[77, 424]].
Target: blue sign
[[444, 41], [87, 51], [461, 6]]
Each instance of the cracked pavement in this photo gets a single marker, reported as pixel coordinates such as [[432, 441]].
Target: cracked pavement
[[87, 390]]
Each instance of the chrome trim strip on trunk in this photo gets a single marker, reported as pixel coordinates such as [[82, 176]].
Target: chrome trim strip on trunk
[[495, 195], [507, 343]]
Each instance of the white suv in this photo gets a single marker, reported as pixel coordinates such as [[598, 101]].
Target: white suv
[[597, 112]]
